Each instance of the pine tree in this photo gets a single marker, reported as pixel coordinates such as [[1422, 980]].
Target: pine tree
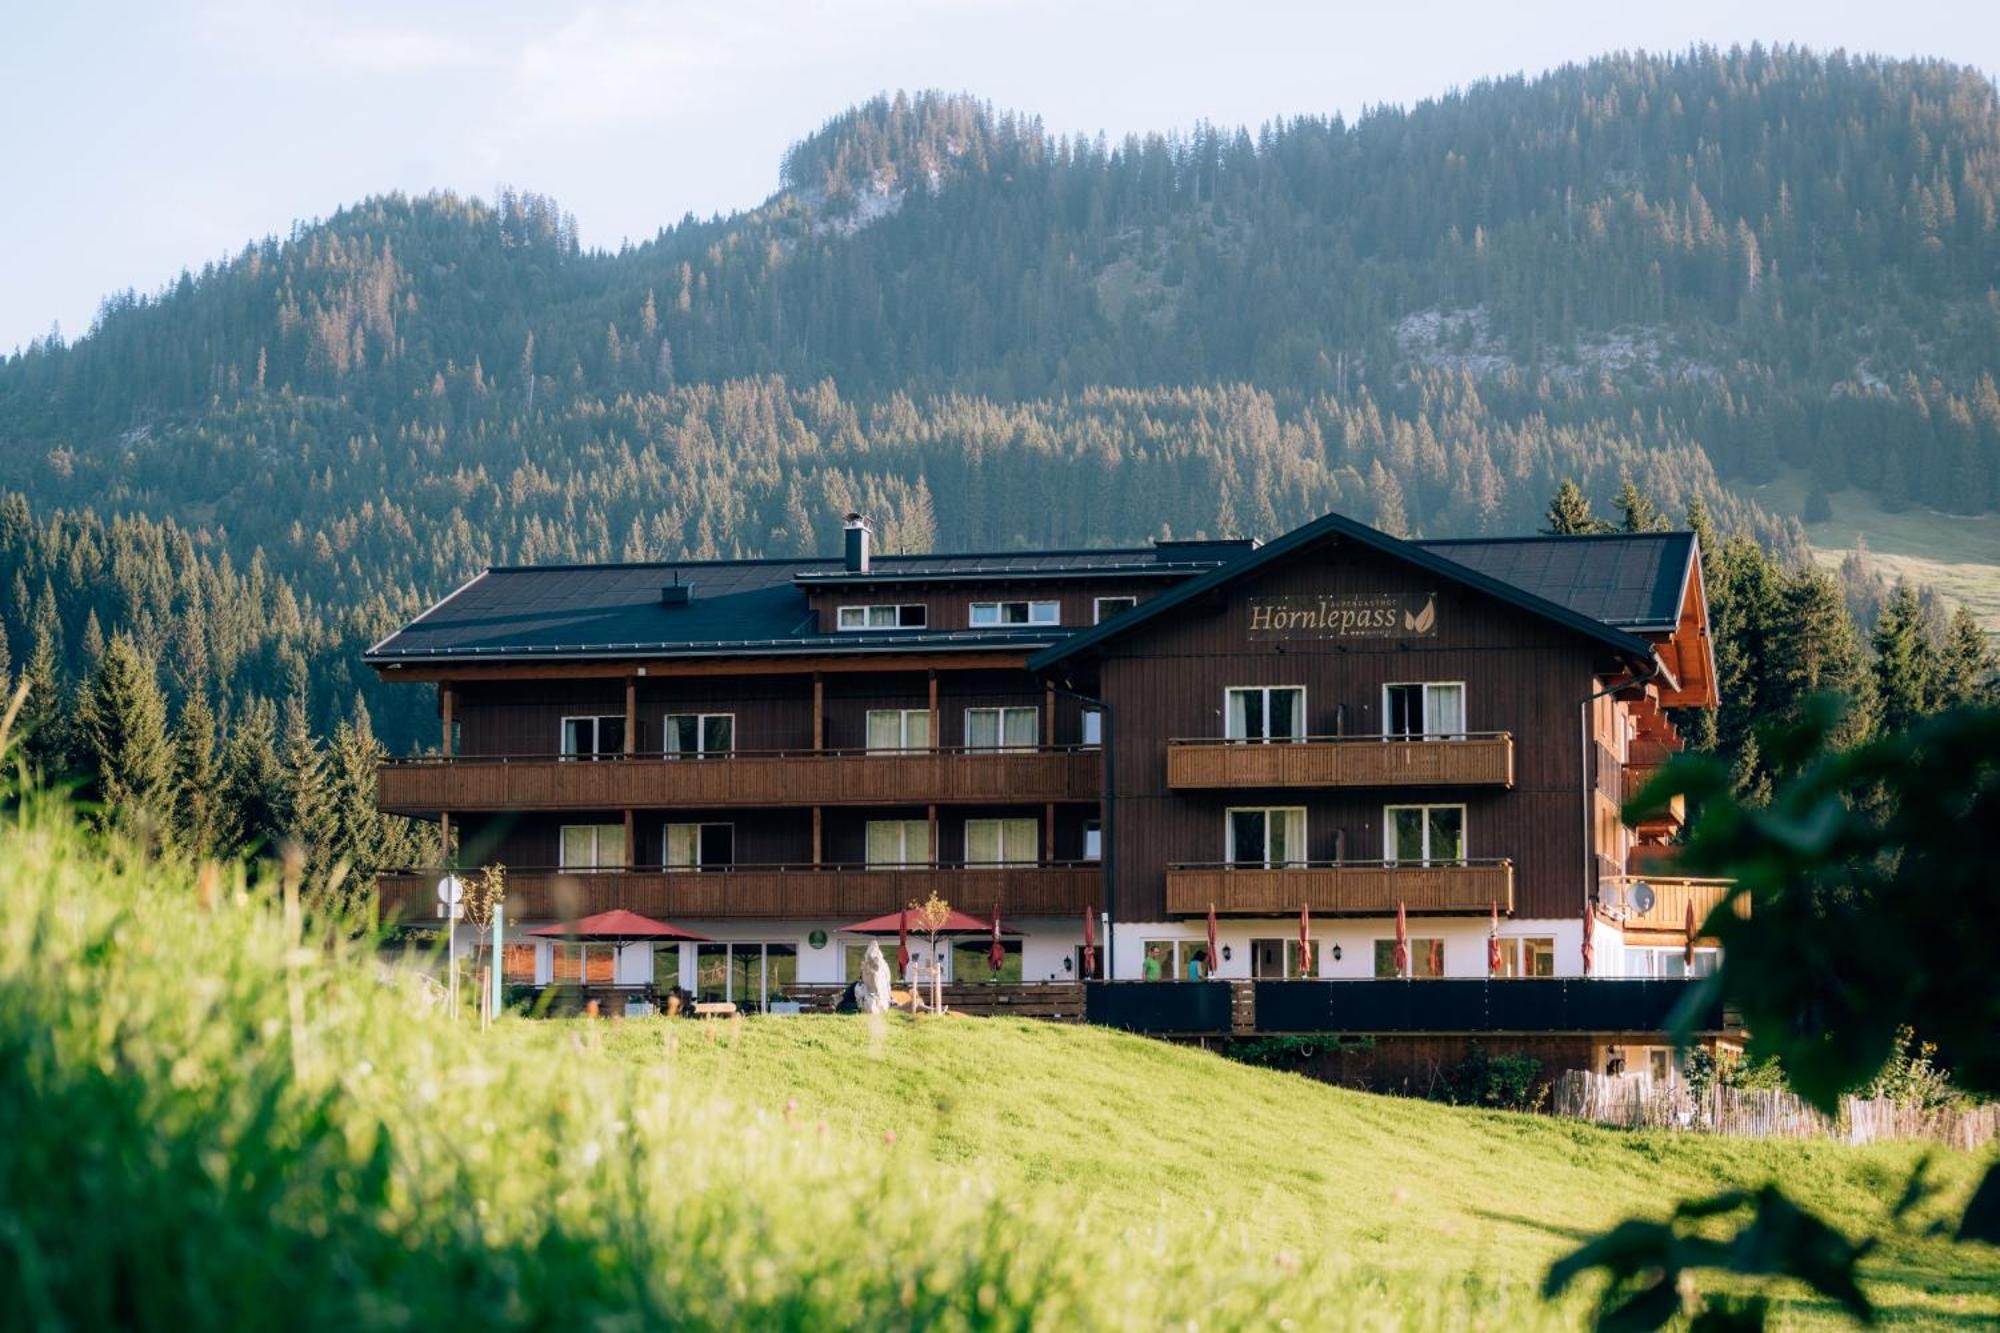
[[197, 781], [307, 813], [1905, 666], [253, 781], [1968, 669], [1569, 513], [1636, 510], [1816, 649], [122, 724]]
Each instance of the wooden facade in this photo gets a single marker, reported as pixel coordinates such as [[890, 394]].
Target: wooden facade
[[1344, 761]]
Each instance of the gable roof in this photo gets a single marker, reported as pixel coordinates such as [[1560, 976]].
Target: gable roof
[[1634, 580], [1418, 554]]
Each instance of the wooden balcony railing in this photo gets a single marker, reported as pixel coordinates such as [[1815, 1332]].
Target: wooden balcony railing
[[1660, 911], [431, 785], [1460, 760], [765, 891], [1341, 888], [1664, 818]]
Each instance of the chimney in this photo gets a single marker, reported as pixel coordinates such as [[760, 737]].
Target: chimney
[[676, 593], [859, 538]]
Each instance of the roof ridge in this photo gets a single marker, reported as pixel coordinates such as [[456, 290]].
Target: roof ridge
[[1548, 537]]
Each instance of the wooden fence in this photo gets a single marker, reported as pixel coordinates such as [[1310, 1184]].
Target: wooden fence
[[1636, 1101]]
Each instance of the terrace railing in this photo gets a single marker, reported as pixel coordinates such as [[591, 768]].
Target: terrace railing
[[1457, 759], [1342, 888]]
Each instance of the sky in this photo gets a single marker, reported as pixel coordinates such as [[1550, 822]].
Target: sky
[[148, 137]]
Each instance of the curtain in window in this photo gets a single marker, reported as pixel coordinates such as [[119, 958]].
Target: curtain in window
[[982, 728], [683, 846], [1288, 837], [1444, 707], [683, 733], [1288, 710], [1244, 707], [1019, 726], [718, 733]]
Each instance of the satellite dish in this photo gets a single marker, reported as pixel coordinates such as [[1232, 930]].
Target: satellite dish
[[450, 890], [1642, 897]]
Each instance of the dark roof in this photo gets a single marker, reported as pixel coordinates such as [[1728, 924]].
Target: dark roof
[[1634, 580], [1418, 554], [579, 611]]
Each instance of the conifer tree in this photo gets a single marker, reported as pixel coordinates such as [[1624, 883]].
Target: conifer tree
[[122, 724], [1816, 649], [1905, 665], [253, 781], [1968, 669], [1569, 513], [198, 821], [1636, 510], [307, 813]]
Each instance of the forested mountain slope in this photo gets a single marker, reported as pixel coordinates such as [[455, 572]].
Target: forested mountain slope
[[1696, 270]]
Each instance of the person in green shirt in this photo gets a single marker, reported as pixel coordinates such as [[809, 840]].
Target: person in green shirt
[[1151, 971]]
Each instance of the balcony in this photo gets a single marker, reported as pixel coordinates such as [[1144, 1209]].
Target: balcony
[[789, 891], [1665, 818], [433, 785], [1341, 888], [1483, 759], [1660, 912]]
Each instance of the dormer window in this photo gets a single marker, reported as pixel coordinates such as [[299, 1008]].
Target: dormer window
[[996, 614], [906, 615]]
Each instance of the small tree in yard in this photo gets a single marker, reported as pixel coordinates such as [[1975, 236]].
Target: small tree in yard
[[1869, 878], [930, 917], [483, 893]]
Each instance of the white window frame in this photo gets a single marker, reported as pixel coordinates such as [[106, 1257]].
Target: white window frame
[[991, 615], [903, 858], [865, 613], [1229, 835], [1008, 856], [1093, 840], [1707, 957], [1097, 606], [667, 846], [596, 846], [1264, 692], [1000, 732], [701, 721], [902, 716], [1444, 969], [1514, 955], [1389, 857], [1093, 728], [596, 720], [1428, 733]]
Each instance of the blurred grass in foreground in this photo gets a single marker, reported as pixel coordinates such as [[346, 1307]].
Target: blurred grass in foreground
[[211, 1118]]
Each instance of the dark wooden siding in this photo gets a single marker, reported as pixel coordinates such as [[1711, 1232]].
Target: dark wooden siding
[[1522, 675]]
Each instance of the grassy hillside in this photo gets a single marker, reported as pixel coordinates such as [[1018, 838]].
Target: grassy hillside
[[202, 1122]]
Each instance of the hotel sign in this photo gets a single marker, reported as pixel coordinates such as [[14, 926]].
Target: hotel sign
[[1384, 615]]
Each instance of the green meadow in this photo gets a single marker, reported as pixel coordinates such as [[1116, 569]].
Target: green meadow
[[215, 1113]]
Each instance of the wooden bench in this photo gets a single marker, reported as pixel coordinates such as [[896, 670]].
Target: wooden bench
[[715, 1009]]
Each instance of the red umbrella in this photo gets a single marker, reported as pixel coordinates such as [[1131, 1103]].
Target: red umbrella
[[1493, 943], [1402, 942], [899, 925], [902, 941], [1305, 941], [617, 924], [1589, 943], [997, 955], [1089, 943], [1687, 954], [1214, 954]]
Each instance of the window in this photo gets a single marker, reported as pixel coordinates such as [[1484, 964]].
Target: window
[[748, 973], [1264, 713], [1423, 834], [898, 729], [1426, 957], [593, 737], [1277, 960], [986, 614], [1103, 608], [1423, 710], [1001, 728], [517, 964], [1093, 840], [1000, 842], [592, 847], [1175, 957], [1263, 838], [700, 733], [666, 966], [574, 962], [1670, 963], [1093, 726], [906, 615], [972, 960], [1532, 957], [898, 842], [700, 847]]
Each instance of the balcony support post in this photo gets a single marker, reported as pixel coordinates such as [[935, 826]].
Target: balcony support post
[[447, 697], [936, 739], [631, 715], [930, 816], [819, 711], [1049, 833], [1048, 715], [818, 824]]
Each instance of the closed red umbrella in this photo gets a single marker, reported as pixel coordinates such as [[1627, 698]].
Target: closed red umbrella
[[1305, 941], [1493, 943], [903, 942], [1687, 955], [1589, 940], [1089, 943], [1214, 954], [997, 955], [1402, 942]]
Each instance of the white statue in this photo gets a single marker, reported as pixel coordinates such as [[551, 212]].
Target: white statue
[[873, 995]]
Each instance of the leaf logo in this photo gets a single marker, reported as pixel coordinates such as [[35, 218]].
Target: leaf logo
[[1421, 622]]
